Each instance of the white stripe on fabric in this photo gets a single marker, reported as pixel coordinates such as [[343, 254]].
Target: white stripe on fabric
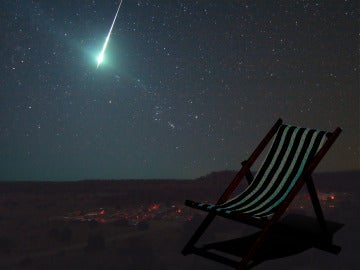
[[256, 175], [300, 170], [267, 171], [278, 171]]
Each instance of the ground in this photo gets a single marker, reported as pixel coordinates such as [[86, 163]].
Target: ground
[[90, 229]]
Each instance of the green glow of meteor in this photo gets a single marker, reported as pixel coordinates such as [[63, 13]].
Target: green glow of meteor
[[100, 58]]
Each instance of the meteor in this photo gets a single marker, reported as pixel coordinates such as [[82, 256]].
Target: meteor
[[101, 55]]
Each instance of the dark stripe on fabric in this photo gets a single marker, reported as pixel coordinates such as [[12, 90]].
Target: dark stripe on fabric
[[281, 189], [286, 142], [284, 171], [271, 206], [271, 170], [261, 171]]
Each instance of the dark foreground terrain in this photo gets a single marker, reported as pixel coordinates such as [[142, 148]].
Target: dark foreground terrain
[[144, 225]]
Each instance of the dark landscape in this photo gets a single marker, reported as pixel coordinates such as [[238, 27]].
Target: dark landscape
[[143, 224], [110, 111]]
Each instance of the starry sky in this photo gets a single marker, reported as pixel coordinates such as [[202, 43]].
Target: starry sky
[[186, 87]]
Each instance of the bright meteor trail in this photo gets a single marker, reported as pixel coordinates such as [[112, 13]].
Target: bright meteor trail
[[101, 55]]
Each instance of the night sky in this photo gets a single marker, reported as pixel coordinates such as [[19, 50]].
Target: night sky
[[186, 87]]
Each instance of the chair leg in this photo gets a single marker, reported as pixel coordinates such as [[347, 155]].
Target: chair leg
[[317, 206], [198, 233], [254, 247]]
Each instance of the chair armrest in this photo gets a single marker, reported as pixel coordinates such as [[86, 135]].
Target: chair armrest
[[249, 176]]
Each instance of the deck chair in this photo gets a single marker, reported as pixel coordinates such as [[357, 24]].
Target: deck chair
[[294, 154]]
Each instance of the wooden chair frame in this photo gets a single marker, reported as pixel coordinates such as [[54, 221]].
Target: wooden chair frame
[[265, 225]]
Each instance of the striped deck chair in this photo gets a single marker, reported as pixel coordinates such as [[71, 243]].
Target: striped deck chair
[[294, 154]]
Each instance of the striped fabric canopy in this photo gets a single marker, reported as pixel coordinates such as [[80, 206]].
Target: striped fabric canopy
[[291, 149]]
